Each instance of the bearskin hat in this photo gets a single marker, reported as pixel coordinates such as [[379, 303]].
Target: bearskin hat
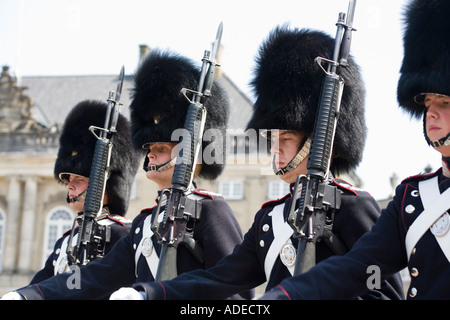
[[159, 107], [287, 84], [77, 145], [426, 61]]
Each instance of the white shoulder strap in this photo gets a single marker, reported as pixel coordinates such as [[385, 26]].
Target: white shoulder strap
[[282, 233], [435, 205], [145, 247], [62, 263]]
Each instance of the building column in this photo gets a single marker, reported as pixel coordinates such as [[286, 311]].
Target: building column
[[28, 221], [12, 225]]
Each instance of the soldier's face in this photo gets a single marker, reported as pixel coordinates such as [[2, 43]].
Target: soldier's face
[[438, 119], [285, 145], [76, 185], [160, 153]]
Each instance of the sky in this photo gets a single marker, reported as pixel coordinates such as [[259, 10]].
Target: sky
[[67, 37]]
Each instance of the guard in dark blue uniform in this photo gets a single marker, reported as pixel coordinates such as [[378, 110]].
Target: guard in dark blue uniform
[[73, 165], [413, 231], [288, 85], [158, 108]]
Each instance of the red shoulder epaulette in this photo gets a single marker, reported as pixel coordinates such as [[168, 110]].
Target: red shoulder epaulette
[[276, 201], [346, 186], [67, 232], [207, 193], [420, 176], [119, 219]]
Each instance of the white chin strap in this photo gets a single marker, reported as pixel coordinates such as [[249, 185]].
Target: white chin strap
[[299, 157], [445, 141], [80, 197], [161, 167]]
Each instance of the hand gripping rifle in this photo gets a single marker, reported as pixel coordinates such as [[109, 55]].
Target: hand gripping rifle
[[180, 207], [93, 237], [313, 220]]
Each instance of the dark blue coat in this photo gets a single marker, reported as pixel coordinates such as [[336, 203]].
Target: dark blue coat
[[57, 262], [217, 232], [385, 248], [245, 268]]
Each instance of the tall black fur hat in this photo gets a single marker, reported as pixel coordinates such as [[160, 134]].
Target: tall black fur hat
[[77, 146], [426, 61], [287, 84], [158, 107]]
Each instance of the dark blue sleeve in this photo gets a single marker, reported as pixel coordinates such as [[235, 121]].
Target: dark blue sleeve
[[217, 231], [97, 280], [351, 275], [117, 231], [235, 273], [357, 216]]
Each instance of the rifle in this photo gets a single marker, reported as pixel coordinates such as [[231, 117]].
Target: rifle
[[180, 205], [313, 220], [93, 237]]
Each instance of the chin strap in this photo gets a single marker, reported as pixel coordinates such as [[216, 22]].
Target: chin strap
[[80, 197], [160, 167], [441, 142], [299, 157]]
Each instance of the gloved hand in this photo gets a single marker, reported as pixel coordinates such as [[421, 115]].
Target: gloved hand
[[12, 296], [127, 293]]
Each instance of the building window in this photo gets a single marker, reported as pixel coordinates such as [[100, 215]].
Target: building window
[[232, 190], [59, 220], [2, 237], [277, 189]]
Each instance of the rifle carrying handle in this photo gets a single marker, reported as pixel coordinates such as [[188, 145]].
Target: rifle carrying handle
[[184, 168], [100, 160]]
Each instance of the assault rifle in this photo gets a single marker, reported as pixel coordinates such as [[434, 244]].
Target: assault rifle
[[93, 237], [180, 205], [313, 220]]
